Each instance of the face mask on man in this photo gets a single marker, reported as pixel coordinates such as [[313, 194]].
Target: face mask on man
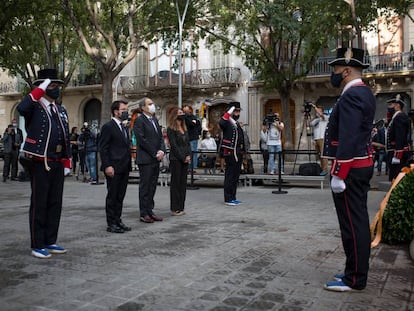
[[53, 93], [124, 115], [336, 79], [236, 117], [151, 109], [181, 117]]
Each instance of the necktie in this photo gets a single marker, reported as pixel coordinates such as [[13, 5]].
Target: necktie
[[153, 123], [124, 130], [53, 111]]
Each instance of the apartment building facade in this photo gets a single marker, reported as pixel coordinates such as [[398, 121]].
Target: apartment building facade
[[212, 79]]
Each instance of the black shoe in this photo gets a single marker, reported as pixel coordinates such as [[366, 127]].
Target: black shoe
[[15, 178], [4, 178], [115, 229], [124, 226]]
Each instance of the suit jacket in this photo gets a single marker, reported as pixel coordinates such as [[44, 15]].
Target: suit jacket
[[149, 140], [114, 148], [179, 145]]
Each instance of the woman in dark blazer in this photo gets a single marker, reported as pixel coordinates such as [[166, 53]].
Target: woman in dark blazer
[[180, 157]]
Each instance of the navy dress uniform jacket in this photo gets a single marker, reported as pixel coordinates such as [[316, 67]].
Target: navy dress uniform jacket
[[398, 134], [38, 126], [348, 133]]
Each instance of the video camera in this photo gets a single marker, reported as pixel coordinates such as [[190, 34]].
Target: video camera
[[307, 107], [270, 119]]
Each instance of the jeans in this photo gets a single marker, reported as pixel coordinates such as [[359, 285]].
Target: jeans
[[273, 152], [194, 146], [91, 164]]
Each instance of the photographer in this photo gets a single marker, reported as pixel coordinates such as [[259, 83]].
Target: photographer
[[194, 131], [274, 140], [319, 125], [88, 138]]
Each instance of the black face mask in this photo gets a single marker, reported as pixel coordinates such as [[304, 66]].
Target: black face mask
[[181, 117], [235, 118], [124, 115], [53, 93], [336, 79]]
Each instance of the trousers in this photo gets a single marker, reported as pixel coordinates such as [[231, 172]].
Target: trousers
[[45, 203], [352, 212], [231, 176]]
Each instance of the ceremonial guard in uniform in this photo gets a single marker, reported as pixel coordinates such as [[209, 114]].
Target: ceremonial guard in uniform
[[348, 144], [232, 148], [398, 136], [47, 149]]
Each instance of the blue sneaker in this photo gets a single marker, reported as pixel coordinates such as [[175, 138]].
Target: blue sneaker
[[55, 249], [237, 202], [338, 277], [232, 203], [40, 253], [337, 286], [323, 173]]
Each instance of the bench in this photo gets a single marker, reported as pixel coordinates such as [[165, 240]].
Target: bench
[[275, 178], [215, 177], [163, 178]]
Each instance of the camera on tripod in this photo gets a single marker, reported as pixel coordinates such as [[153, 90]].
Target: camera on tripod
[[270, 119], [307, 107]]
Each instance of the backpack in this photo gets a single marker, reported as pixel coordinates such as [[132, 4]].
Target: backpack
[[310, 169]]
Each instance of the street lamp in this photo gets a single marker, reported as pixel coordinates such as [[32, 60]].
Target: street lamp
[[181, 19]]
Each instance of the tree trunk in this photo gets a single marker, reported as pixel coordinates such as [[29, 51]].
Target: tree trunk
[[107, 96]]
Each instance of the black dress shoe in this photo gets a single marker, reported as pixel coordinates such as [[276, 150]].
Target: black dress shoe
[[124, 226], [146, 219], [115, 229]]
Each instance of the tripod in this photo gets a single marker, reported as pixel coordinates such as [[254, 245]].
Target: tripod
[[305, 128]]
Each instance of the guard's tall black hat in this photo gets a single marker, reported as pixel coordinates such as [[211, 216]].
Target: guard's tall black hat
[[44, 74], [235, 104], [397, 99], [349, 57]]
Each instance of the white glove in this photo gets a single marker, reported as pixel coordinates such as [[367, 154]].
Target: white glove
[[395, 160], [337, 184], [45, 84], [230, 111], [66, 171]]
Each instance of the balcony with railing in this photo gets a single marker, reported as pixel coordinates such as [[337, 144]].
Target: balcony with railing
[[377, 64], [388, 64], [225, 76]]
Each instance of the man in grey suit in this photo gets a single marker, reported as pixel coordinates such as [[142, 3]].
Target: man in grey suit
[[150, 152]]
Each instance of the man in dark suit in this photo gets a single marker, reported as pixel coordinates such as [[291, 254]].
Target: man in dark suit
[[47, 144], [348, 144], [150, 152], [114, 148]]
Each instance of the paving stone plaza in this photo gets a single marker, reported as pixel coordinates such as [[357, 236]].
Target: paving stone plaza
[[273, 252]]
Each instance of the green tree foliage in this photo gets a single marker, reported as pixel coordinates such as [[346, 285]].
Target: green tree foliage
[[280, 40], [36, 34], [398, 218], [112, 31]]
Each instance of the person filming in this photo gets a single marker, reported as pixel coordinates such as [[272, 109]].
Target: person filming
[[274, 140], [319, 124]]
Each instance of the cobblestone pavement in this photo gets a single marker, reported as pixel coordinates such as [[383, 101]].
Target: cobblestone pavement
[[273, 252]]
